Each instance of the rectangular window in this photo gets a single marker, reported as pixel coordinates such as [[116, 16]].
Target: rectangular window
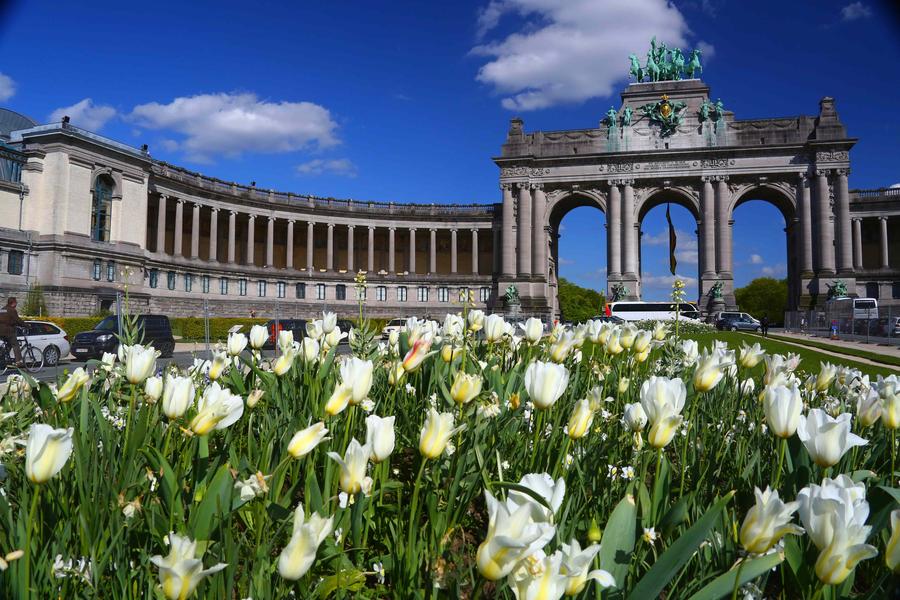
[[154, 277], [188, 282], [463, 294], [381, 293], [484, 294], [280, 288], [300, 291], [171, 279], [95, 272], [204, 283], [16, 262], [261, 289], [443, 294], [110, 270], [895, 289], [223, 286], [422, 294], [242, 287], [401, 293], [340, 292], [320, 291]]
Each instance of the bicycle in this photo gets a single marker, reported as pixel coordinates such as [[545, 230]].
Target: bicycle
[[32, 357]]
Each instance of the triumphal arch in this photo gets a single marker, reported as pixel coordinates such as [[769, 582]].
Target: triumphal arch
[[671, 141]]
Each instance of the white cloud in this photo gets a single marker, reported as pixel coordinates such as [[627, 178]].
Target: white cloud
[[856, 10], [567, 52], [896, 185], [85, 114], [685, 240], [666, 281], [7, 87], [229, 124], [689, 257], [779, 270], [336, 166], [756, 259], [565, 261]]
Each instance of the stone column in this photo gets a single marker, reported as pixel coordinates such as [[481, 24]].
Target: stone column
[[884, 242], [539, 235], [723, 228], [161, 226], [629, 230], [857, 243], [474, 251], [270, 242], [195, 232], [614, 231], [310, 249], [179, 228], [371, 255], [412, 249], [232, 224], [289, 252], [707, 230], [523, 231], [329, 248], [432, 252], [805, 215], [214, 235], [844, 249], [508, 251], [350, 247], [251, 239], [453, 251], [825, 226], [391, 265]]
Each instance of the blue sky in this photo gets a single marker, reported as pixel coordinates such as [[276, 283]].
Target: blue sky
[[407, 101]]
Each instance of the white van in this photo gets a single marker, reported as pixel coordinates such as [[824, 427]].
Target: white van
[[853, 308]]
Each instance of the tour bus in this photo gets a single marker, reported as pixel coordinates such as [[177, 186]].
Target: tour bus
[[853, 308], [655, 311]]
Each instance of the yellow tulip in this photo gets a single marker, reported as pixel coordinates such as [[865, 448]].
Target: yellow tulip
[[465, 387]]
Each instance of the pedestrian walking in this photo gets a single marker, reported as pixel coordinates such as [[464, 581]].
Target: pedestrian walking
[[9, 319], [764, 324]]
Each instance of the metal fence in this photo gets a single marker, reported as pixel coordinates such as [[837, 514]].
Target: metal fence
[[880, 326]]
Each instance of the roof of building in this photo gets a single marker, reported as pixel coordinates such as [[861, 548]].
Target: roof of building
[[11, 121]]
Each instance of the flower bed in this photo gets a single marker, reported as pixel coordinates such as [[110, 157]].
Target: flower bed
[[458, 459]]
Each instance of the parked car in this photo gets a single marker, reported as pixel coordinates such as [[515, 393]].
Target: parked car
[[49, 339], [737, 321], [154, 330], [393, 325], [297, 326], [612, 319]]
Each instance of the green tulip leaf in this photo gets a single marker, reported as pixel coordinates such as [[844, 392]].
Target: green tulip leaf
[[618, 540], [724, 584]]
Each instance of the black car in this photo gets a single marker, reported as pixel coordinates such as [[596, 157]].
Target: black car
[[297, 326], [154, 330]]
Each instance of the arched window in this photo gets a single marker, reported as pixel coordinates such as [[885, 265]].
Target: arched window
[[101, 209]]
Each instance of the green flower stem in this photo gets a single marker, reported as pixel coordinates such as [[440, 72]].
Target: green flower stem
[[781, 446], [414, 516], [28, 532]]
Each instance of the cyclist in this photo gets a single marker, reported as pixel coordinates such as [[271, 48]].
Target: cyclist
[[9, 320]]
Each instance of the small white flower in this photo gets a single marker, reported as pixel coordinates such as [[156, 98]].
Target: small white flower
[[338, 535], [379, 572], [628, 473], [649, 535]]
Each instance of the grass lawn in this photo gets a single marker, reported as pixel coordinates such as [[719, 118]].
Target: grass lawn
[[869, 354], [811, 357]]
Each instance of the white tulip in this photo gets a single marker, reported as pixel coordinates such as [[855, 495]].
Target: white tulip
[[641, 342], [236, 343], [436, 433], [217, 409], [380, 437], [309, 349], [581, 419], [552, 492], [662, 397], [576, 564], [494, 328], [869, 407], [690, 351], [750, 356], [306, 440], [476, 320], [259, 335], [333, 338], [314, 329], [627, 333], [635, 417], [153, 388], [353, 464], [767, 522], [889, 392], [465, 387], [339, 399], [563, 345], [180, 572], [140, 363], [286, 339], [108, 359], [284, 362], [826, 376], [660, 331], [748, 386], [892, 551], [178, 394], [46, 451], [329, 322], [357, 375], [834, 515], [219, 363], [783, 407], [545, 382], [709, 371], [73, 384], [539, 577], [453, 326], [306, 537], [827, 439], [533, 329], [512, 535]]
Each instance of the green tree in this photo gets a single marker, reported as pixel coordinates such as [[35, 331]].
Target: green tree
[[578, 304], [764, 296], [34, 304]]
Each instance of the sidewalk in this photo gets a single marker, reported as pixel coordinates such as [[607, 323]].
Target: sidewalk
[[840, 345]]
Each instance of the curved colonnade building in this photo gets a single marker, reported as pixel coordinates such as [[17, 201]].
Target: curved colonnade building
[[85, 216]]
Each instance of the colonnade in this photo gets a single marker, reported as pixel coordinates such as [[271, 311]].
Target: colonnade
[[249, 258], [883, 245]]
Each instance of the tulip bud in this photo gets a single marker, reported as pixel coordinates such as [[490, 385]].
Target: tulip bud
[[329, 322], [254, 397], [545, 383], [380, 437], [178, 395], [153, 388], [305, 440], [236, 343], [436, 432], [533, 329], [594, 532], [465, 387], [219, 364], [581, 419], [140, 363], [449, 352], [259, 335]]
